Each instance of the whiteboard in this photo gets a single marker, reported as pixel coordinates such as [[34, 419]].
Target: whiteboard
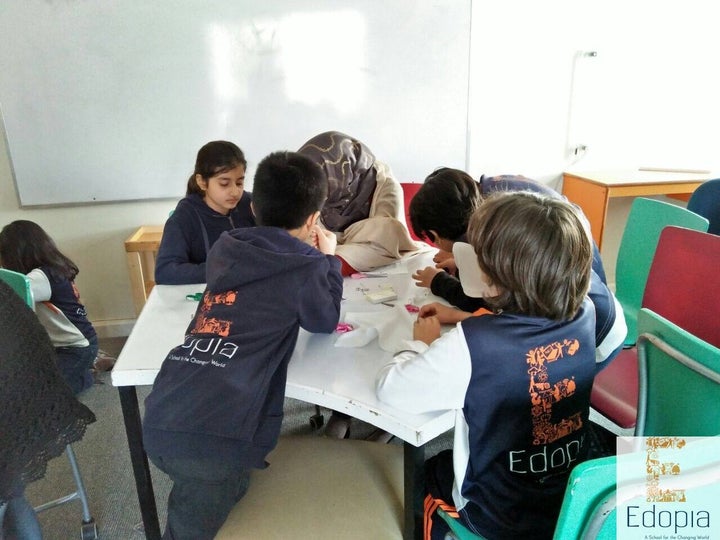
[[110, 100]]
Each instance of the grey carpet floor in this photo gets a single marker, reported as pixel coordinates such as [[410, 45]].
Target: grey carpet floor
[[105, 465]]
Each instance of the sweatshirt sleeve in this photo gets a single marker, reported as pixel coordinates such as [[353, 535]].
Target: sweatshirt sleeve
[[173, 266], [449, 287], [39, 285], [423, 379], [610, 327], [320, 298]]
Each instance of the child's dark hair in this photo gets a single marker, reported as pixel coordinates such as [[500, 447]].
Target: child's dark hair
[[444, 204], [24, 246], [536, 250], [288, 188], [213, 158]]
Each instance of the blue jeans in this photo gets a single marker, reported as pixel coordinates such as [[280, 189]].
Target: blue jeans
[[203, 493], [75, 364], [18, 520]]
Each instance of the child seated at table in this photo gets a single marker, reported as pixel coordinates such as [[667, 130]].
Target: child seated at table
[[215, 201], [216, 407], [365, 209], [27, 248], [365, 206], [519, 374], [440, 212]]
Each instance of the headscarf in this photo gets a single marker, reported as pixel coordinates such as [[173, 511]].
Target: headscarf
[[351, 176]]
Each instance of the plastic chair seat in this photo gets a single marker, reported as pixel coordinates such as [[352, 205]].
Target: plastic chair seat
[[615, 390]]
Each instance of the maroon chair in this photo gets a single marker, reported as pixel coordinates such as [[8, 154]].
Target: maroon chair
[[683, 287], [409, 191], [684, 282]]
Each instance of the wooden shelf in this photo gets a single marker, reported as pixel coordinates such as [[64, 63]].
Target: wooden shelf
[[141, 249]]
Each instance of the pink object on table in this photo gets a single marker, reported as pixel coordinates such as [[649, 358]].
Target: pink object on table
[[412, 308], [343, 328]]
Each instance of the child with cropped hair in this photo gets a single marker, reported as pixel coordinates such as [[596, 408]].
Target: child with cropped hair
[[519, 374], [216, 407], [440, 212]]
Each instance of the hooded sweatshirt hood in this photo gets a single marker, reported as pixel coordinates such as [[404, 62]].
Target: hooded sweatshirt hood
[[257, 254]]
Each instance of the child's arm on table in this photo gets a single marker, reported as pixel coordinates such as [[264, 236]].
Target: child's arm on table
[[446, 263], [321, 294], [445, 314], [172, 265], [434, 372]]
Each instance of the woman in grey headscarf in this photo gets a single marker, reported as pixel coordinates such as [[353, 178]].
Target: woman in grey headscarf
[[364, 205], [365, 209]]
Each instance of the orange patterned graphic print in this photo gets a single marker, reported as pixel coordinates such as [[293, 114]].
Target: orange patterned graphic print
[[210, 325], [656, 469], [543, 395]]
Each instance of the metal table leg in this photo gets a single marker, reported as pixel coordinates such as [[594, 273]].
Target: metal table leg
[[141, 468], [414, 462]]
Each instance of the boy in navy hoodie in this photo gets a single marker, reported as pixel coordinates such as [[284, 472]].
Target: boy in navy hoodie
[[217, 404]]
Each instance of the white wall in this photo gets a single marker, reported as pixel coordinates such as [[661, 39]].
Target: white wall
[[645, 100], [648, 99], [92, 236]]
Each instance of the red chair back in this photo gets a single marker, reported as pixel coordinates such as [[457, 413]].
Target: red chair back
[[409, 191], [683, 285]]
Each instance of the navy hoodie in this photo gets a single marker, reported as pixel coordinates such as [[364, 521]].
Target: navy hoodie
[[220, 394], [188, 235]]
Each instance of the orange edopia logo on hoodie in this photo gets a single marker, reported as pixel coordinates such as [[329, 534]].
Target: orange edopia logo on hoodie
[[543, 395], [210, 325]]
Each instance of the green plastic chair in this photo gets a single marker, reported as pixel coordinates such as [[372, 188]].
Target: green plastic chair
[[19, 283], [588, 509], [457, 530], [679, 377], [647, 219]]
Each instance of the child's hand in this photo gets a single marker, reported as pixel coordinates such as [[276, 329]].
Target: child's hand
[[444, 314], [448, 264], [424, 277], [426, 329], [441, 255], [324, 240]]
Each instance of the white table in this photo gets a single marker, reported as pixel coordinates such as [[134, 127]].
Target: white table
[[341, 379]]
